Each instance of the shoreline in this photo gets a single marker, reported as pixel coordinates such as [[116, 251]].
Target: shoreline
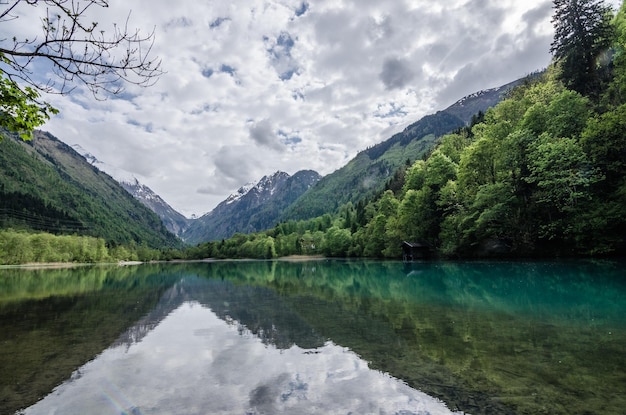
[[289, 258], [301, 258], [62, 265], [46, 265]]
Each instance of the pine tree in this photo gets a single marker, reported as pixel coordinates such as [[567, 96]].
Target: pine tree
[[583, 32]]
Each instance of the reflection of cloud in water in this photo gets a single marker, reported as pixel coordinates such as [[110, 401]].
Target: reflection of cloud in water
[[195, 363]]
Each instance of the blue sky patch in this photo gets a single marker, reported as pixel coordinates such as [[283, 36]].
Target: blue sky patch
[[304, 7], [289, 139], [227, 69], [280, 55], [218, 22]]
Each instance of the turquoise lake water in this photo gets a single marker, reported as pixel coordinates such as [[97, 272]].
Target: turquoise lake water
[[315, 337]]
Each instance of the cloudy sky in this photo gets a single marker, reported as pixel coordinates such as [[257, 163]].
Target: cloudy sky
[[256, 86]]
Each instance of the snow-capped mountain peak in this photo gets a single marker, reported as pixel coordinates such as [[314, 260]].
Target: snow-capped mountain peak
[[265, 187], [242, 191], [173, 220], [268, 184], [252, 208]]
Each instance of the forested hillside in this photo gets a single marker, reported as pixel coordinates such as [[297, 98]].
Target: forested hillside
[[366, 174], [46, 186], [543, 173], [371, 169]]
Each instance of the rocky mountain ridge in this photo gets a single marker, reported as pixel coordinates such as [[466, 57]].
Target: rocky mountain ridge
[[249, 209], [174, 221], [252, 208]]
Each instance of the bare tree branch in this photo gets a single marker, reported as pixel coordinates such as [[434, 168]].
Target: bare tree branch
[[77, 52]]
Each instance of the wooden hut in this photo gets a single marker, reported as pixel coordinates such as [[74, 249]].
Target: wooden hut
[[415, 250]]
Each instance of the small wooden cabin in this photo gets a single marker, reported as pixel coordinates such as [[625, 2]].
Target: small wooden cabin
[[415, 250]]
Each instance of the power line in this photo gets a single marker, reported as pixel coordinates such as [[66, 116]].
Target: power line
[[42, 222]]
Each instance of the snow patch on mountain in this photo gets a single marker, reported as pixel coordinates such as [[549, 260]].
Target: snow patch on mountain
[[266, 187], [252, 208], [173, 220], [242, 191], [120, 175]]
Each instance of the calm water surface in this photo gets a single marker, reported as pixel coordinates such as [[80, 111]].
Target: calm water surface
[[317, 337]]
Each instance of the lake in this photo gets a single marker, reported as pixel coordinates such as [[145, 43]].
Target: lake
[[315, 337]]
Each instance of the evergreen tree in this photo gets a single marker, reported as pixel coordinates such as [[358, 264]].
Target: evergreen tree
[[583, 32]]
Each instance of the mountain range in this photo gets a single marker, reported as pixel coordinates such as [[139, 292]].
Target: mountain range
[[45, 185], [174, 221], [254, 207], [305, 195]]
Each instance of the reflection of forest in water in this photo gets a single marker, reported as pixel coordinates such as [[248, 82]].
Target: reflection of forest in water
[[53, 321], [484, 337]]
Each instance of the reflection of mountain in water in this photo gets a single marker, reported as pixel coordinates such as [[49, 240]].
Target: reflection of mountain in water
[[255, 309], [54, 321], [483, 337], [262, 312]]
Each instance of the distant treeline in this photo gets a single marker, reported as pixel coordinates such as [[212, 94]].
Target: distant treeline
[[19, 247]]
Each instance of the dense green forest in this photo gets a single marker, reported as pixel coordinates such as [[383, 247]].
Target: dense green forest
[[542, 173]]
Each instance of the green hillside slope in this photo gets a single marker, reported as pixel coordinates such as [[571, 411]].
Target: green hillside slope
[[46, 186], [369, 171]]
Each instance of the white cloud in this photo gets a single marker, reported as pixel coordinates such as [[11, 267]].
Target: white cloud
[[245, 79]]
